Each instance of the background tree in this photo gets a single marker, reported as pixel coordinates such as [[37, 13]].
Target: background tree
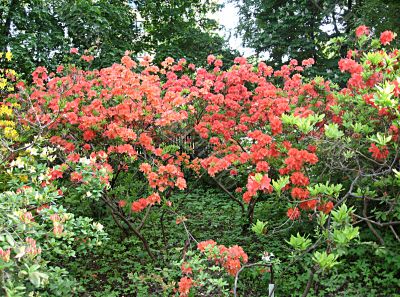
[[39, 32], [182, 28], [299, 29]]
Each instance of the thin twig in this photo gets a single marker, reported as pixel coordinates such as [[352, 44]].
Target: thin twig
[[369, 224], [241, 269], [394, 233]]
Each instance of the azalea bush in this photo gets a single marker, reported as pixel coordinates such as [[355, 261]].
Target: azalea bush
[[119, 142], [361, 145], [207, 271], [37, 234]]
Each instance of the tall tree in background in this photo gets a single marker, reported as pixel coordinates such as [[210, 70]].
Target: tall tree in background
[[279, 30], [40, 32], [381, 15], [182, 28]]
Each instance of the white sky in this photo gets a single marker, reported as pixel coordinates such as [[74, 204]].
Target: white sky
[[228, 17]]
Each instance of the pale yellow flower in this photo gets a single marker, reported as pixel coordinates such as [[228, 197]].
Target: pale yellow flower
[[5, 123], [24, 178], [10, 133], [3, 83], [5, 110], [9, 56]]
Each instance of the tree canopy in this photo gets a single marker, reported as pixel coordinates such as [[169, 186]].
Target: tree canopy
[[40, 32], [182, 28], [280, 30]]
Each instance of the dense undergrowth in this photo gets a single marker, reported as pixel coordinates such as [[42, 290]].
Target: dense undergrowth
[[121, 268]]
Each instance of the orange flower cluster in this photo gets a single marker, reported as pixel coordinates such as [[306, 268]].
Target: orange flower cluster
[[230, 258], [184, 286], [5, 255]]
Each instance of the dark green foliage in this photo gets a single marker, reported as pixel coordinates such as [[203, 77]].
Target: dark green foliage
[[300, 29], [122, 268], [381, 15], [182, 29], [39, 33]]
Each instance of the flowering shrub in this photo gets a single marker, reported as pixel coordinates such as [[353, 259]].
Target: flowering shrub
[[230, 258], [7, 75], [8, 79], [263, 125], [363, 147], [204, 277], [194, 275], [37, 234], [131, 111]]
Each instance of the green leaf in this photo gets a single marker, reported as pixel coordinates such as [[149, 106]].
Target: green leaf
[[37, 278], [299, 242], [332, 131], [279, 184], [259, 227], [325, 261]]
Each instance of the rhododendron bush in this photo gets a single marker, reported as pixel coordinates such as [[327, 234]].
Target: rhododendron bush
[[128, 116], [282, 138], [37, 234]]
